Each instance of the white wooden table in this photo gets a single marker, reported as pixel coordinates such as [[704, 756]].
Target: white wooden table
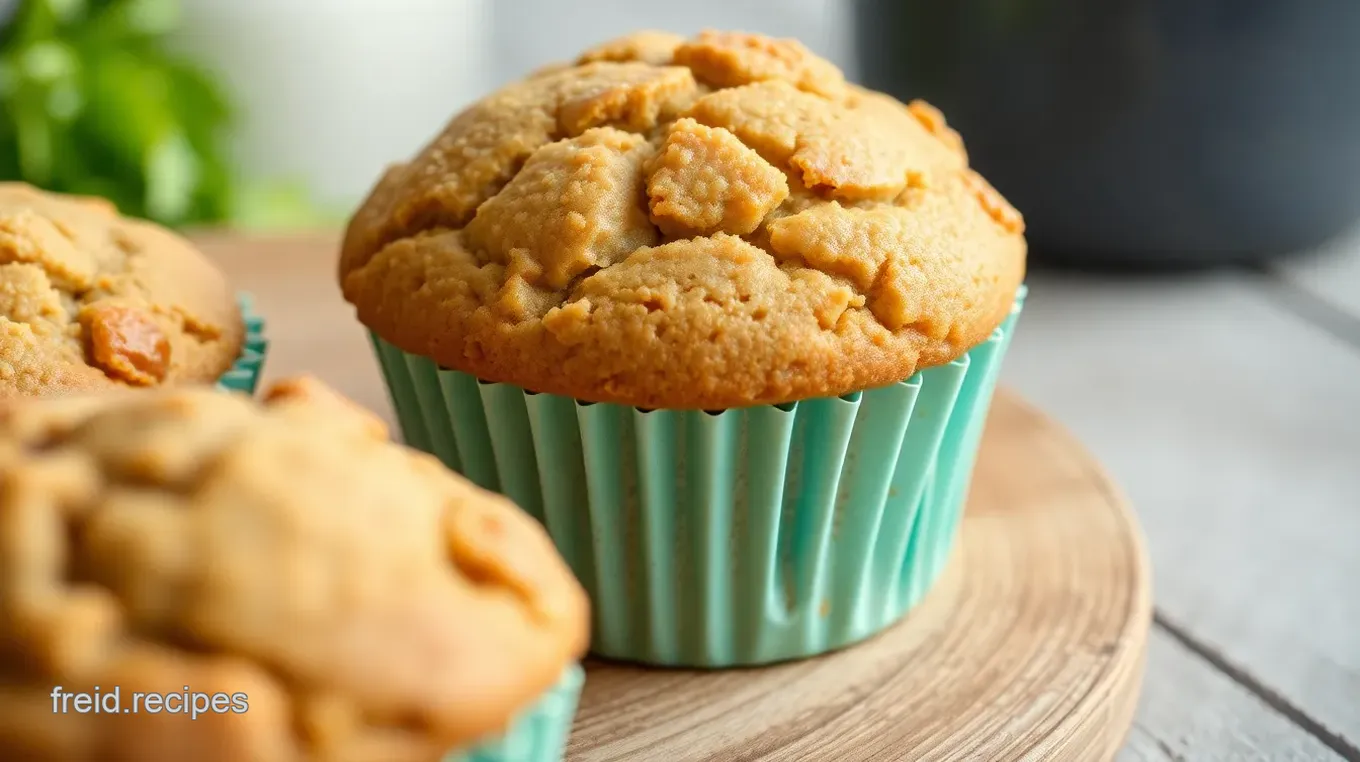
[[1228, 407]]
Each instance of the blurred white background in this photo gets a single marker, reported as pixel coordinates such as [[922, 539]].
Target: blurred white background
[[528, 33], [329, 97], [329, 93]]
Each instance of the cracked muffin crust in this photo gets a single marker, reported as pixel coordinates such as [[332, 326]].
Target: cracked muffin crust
[[707, 223], [372, 606], [92, 300]]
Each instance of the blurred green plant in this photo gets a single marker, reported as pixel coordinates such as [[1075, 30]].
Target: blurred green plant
[[93, 102]]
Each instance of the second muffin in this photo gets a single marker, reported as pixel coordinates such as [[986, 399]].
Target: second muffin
[[332, 596], [728, 324], [91, 300]]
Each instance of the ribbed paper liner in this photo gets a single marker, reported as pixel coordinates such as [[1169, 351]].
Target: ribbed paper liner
[[743, 537], [244, 375], [539, 734]]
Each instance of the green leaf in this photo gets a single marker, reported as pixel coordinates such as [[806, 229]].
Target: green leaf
[[203, 106], [34, 20], [64, 101], [35, 140], [92, 101], [127, 20], [172, 175], [66, 11], [90, 169], [46, 62], [271, 206], [152, 17], [128, 106], [91, 185], [9, 79]]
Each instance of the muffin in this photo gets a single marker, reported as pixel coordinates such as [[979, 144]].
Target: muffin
[[313, 592], [726, 323], [90, 300]]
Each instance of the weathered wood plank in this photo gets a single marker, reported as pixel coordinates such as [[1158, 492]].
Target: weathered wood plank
[[1235, 428], [1332, 273], [1191, 713]]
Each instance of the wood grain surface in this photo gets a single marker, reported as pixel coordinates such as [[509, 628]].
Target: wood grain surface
[[1234, 424], [311, 329], [1032, 646]]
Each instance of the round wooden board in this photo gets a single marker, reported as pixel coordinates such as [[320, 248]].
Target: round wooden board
[[1031, 646]]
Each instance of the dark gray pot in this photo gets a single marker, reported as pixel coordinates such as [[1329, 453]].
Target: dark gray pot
[[1165, 132]]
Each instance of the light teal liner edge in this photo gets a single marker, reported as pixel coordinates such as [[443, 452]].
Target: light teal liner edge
[[745, 537], [539, 734], [244, 375]]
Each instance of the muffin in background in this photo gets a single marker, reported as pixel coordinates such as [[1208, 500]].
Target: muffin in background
[[351, 599], [726, 323], [90, 300]]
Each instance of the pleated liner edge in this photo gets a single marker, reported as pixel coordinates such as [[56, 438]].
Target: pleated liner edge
[[244, 375], [539, 734], [742, 537]]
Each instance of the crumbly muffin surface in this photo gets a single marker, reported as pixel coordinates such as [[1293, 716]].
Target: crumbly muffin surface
[[704, 223], [91, 300], [371, 606]]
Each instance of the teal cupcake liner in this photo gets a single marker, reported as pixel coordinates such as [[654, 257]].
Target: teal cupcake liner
[[244, 375], [739, 537], [539, 734]]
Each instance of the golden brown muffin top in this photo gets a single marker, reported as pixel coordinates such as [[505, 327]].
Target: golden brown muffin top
[[705, 223], [371, 606], [91, 300]]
